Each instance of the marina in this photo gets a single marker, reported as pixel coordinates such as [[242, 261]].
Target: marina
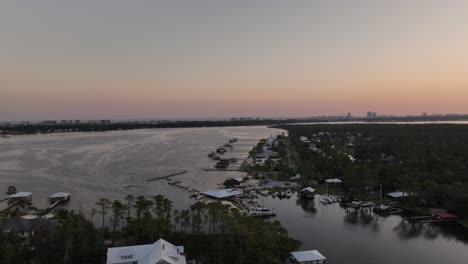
[[101, 165]]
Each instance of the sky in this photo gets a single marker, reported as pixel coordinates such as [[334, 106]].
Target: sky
[[115, 59]]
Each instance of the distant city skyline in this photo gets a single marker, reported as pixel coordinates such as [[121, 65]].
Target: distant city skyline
[[115, 59]]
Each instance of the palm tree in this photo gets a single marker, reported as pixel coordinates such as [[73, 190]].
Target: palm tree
[[129, 198], [11, 190], [117, 212], [93, 213], [142, 206], [104, 205]]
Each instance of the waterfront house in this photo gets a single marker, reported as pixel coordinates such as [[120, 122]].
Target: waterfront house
[[333, 180], [27, 227], [399, 195], [160, 252], [307, 257]]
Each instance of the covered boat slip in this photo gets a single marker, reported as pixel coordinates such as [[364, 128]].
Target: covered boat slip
[[306, 257], [60, 196], [24, 196]]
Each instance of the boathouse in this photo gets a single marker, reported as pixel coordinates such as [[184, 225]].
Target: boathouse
[[307, 257], [308, 192], [444, 215], [21, 196], [160, 251], [60, 196]]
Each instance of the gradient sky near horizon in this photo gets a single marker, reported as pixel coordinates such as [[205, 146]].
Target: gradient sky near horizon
[[92, 59]]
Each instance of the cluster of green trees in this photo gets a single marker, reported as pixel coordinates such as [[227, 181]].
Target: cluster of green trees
[[430, 160], [210, 233]]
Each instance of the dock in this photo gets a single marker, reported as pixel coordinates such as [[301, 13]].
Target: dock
[[165, 176], [56, 199], [223, 169], [10, 206]]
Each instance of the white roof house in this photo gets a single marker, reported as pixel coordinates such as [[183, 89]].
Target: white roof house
[[333, 180], [297, 177], [308, 190], [400, 194], [220, 194], [159, 252], [309, 256]]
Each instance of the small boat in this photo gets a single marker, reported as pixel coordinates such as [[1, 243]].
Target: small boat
[[259, 211], [354, 204], [367, 204], [382, 208], [324, 199]]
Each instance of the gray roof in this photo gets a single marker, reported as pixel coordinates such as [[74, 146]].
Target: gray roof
[[21, 195], [222, 193], [60, 195], [310, 255], [20, 225], [308, 189]]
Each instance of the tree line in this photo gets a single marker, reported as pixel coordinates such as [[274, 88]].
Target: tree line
[[210, 232], [430, 160]]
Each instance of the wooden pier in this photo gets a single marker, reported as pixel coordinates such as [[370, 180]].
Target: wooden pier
[[10, 206], [223, 169], [165, 176]]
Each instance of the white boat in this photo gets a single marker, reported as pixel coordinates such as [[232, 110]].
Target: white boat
[[260, 211], [325, 200]]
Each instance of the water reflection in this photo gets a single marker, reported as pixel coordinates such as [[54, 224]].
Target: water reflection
[[363, 216], [307, 205], [363, 237]]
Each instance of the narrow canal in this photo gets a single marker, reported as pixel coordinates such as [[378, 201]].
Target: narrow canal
[[366, 238]]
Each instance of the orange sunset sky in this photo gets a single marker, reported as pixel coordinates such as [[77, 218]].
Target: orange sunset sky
[[193, 59]]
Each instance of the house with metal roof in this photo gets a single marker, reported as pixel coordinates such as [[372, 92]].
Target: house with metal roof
[[160, 252], [335, 180], [222, 194], [399, 195], [25, 196]]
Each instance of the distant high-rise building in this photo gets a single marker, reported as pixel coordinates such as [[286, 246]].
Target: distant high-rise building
[[371, 115], [348, 115]]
